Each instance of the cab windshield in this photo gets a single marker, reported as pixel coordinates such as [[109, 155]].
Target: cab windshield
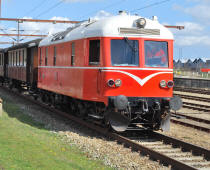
[[125, 52], [156, 53]]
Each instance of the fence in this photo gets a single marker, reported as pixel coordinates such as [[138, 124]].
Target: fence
[[191, 74]]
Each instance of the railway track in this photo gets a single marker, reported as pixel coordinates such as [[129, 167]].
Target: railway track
[[192, 90], [188, 124], [167, 150], [196, 98], [195, 106]]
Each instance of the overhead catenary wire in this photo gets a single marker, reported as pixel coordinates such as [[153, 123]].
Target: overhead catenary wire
[[36, 7], [150, 5], [108, 6], [52, 7], [7, 34]]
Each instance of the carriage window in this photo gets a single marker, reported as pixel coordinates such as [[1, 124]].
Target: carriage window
[[125, 52], [54, 59], [156, 53], [20, 58], [17, 58], [25, 57], [46, 56], [94, 52], [73, 54], [14, 58], [11, 59]]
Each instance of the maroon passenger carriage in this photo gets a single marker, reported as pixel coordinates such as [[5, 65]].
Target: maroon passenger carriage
[[118, 69]]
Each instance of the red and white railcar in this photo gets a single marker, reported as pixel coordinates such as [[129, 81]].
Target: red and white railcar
[[123, 62]]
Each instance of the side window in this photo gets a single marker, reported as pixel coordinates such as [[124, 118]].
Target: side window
[[14, 58], [94, 52], [73, 54], [20, 58], [10, 59], [46, 56], [17, 60], [10, 62], [25, 57], [54, 58]]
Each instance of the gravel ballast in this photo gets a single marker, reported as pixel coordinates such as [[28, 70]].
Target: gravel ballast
[[92, 144]]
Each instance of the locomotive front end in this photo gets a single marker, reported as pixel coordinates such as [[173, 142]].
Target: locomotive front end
[[138, 79]]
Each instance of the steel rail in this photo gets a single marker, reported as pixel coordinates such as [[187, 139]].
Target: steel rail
[[192, 90], [203, 99], [193, 118], [201, 128], [135, 146], [195, 106], [187, 146]]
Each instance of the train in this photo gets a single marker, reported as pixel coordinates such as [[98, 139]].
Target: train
[[117, 70]]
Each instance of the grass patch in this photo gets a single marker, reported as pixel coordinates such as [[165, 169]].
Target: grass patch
[[25, 144]]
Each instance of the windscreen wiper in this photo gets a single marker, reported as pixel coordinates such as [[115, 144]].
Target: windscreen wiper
[[130, 45]]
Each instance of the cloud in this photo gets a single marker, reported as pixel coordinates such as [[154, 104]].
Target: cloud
[[197, 31], [46, 28], [199, 11], [193, 34], [190, 28], [200, 1], [189, 40], [101, 14]]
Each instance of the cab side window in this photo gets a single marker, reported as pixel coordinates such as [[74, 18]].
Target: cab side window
[[73, 54], [54, 58], [94, 52], [46, 56]]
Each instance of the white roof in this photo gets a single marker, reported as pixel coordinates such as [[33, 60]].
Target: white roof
[[109, 27]]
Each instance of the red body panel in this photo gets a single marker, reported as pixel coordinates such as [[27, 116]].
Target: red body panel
[[87, 82]]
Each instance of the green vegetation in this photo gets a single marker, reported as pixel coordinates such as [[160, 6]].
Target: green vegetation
[[25, 144]]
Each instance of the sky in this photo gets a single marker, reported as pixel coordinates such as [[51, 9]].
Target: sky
[[190, 43]]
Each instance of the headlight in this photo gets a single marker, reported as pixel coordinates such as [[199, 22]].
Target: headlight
[[141, 22], [163, 83], [118, 83], [170, 84], [110, 83]]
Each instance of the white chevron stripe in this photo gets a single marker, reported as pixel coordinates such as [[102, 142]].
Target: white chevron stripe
[[140, 81]]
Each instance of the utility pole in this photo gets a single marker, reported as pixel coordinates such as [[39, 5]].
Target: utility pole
[[18, 37]]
